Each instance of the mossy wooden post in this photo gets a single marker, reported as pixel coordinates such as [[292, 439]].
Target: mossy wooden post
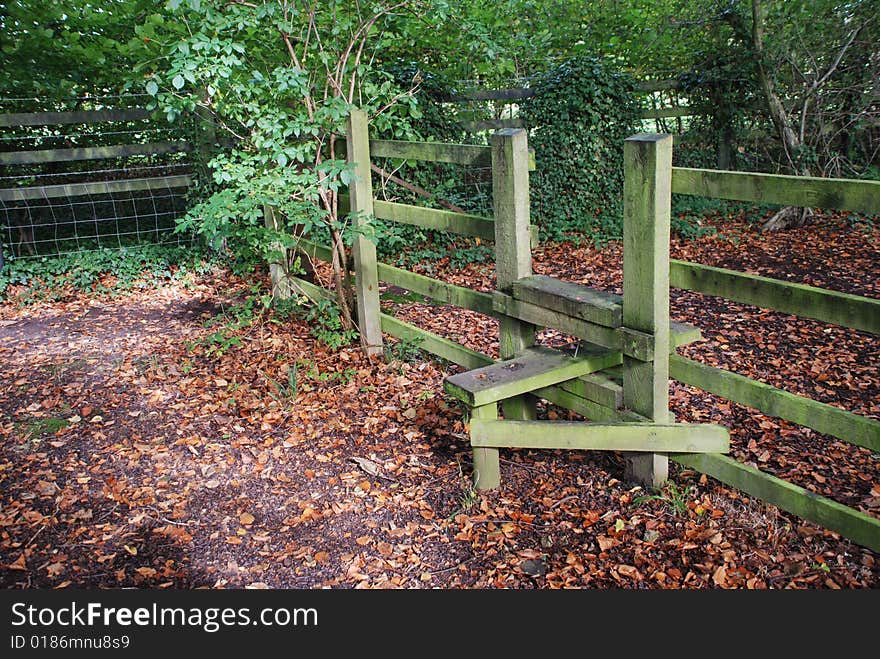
[[364, 251], [647, 161], [513, 256], [279, 271], [487, 471]]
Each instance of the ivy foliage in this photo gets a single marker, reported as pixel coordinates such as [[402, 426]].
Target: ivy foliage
[[578, 119]]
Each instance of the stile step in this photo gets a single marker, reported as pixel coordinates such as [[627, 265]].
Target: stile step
[[534, 368]]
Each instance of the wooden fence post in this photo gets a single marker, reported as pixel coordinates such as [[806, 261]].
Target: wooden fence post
[[279, 268], [364, 251], [647, 194], [513, 256]]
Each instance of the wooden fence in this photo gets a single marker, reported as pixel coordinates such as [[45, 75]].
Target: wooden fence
[[109, 198], [515, 94], [606, 395]]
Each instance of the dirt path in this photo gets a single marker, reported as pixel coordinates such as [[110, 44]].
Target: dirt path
[[135, 452]]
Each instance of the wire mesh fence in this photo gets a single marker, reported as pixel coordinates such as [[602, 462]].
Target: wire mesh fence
[[89, 173]]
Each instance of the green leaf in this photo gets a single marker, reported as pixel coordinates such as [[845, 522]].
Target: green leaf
[[178, 81], [152, 88]]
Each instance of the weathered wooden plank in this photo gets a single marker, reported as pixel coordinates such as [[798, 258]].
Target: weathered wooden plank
[[571, 299], [436, 345], [81, 117], [491, 124], [657, 85], [668, 113], [363, 250], [314, 250], [487, 470], [621, 436], [95, 188], [437, 290], [310, 290], [647, 198], [431, 218], [532, 313], [532, 369], [513, 256], [821, 417], [510, 94], [597, 387], [588, 408], [826, 193], [680, 333], [850, 523], [92, 153], [853, 311], [459, 154]]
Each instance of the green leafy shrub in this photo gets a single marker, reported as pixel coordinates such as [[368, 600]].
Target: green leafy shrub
[[52, 278], [578, 118]]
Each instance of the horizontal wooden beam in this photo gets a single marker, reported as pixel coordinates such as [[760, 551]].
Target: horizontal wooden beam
[[459, 154], [850, 523], [821, 417], [95, 188], [571, 299], [436, 345], [314, 250], [310, 290], [650, 437], [543, 317], [680, 333], [657, 85], [560, 395], [669, 113], [534, 368], [430, 218], [853, 311], [439, 291], [826, 193], [91, 153], [511, 94], [81, 117], [598, 387], [491, 124]]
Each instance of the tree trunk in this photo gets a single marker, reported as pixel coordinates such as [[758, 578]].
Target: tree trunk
[[790, 217]]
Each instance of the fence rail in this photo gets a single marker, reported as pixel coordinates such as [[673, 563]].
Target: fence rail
[[81, 117], [95, 188], [855, 311], [91, 153], [827, 193]]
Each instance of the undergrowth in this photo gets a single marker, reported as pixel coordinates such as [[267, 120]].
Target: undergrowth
[[106, 271]]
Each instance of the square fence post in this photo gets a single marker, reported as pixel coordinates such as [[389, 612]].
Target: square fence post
[[364, 251], [487, 471], [647, 193], [513, 256], [279, 268]]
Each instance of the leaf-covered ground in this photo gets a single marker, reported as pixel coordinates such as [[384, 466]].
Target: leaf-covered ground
[[137, 452]]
